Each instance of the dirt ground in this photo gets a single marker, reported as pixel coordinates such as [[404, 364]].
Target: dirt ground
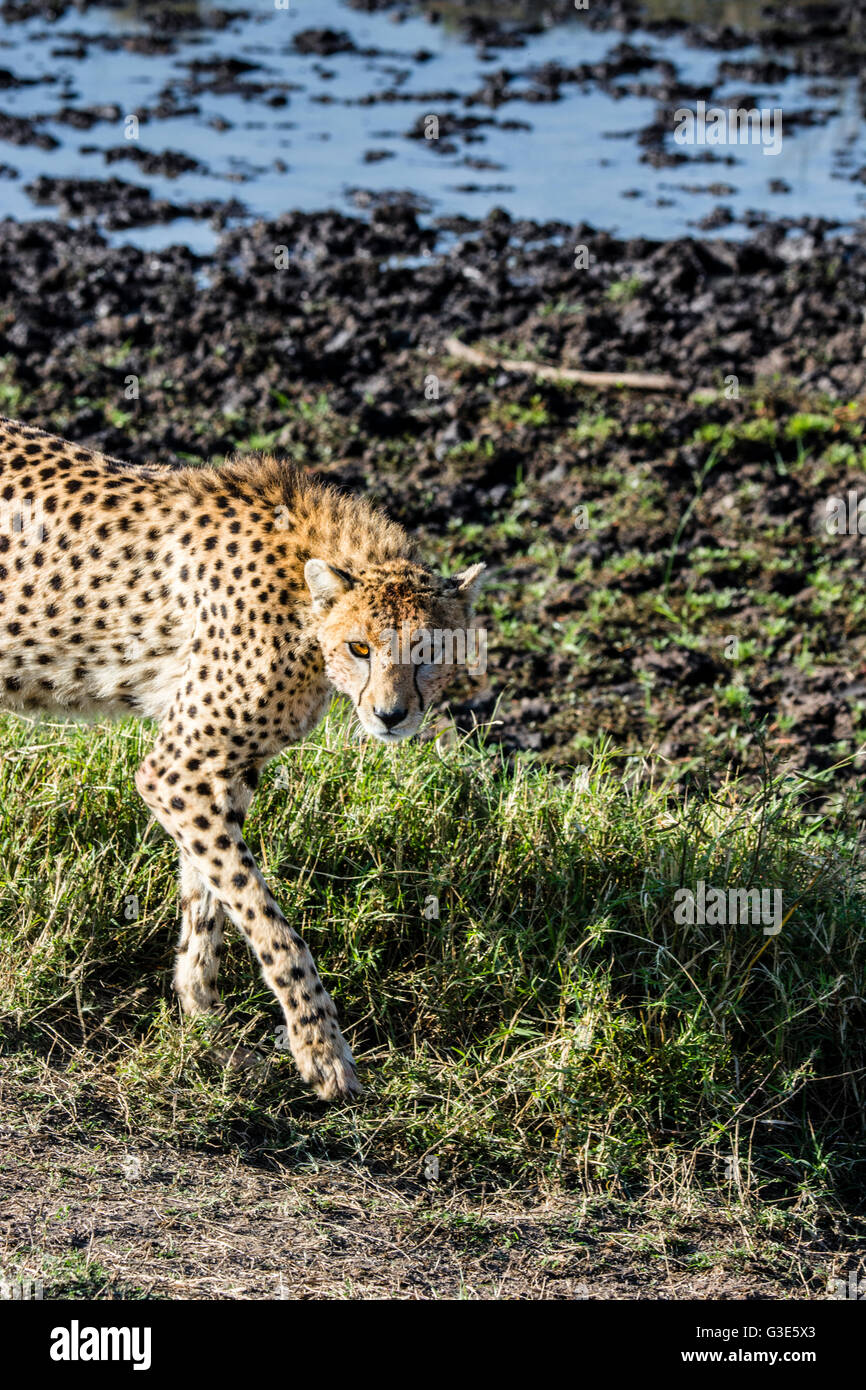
[[143, 1223]]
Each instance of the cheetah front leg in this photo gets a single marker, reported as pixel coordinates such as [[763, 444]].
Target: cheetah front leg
[[201, 933], [200, 944], [197, 811]]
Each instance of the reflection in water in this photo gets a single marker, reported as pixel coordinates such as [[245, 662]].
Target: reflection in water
[[138, 9], [750, 15], [489, 9], [740, 14], [294, 132]]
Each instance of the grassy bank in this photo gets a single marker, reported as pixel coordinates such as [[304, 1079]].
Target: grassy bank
[[503, 946]]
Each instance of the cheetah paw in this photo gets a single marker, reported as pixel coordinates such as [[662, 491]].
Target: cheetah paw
[[330, 1070]]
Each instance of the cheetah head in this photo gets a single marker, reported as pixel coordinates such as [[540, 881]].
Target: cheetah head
[[392, 637]]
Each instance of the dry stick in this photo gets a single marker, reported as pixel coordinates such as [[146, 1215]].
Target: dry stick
[[637, 381]]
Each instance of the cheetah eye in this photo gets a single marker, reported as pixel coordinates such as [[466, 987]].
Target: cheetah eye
[[359, 649]]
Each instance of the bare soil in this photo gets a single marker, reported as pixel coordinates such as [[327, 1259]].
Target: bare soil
[[111, 1221]]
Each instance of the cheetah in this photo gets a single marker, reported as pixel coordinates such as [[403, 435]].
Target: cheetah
[[227, 604]]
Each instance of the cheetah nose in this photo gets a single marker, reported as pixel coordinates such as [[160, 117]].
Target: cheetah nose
[[391, 720]]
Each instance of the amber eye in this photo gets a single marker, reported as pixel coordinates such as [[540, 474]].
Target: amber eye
[[359, 649]]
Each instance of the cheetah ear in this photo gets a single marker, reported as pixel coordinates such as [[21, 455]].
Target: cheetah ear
[[468, 583], [326, 583]]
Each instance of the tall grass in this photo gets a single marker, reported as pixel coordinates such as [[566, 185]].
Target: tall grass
[[502, 945]]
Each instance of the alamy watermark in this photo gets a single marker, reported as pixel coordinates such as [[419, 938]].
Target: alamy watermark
[[20, 1290], [719, 125], [845, 516], [77, 1343], [732, 907], [439, 646], [23, 518], [850, 1288]]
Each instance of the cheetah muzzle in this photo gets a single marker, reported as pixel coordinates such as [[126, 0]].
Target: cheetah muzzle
[[227, 604]]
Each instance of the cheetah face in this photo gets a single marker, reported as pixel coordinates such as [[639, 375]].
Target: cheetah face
[[392, 638]]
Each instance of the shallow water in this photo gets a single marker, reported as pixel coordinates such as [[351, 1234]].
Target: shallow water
[[579, 160]]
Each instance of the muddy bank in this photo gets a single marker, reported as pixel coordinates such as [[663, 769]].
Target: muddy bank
[[822, 38], [115, 204], [661, 568], [353, 293]]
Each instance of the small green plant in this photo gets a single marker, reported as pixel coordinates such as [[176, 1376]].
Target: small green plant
[[621, 291]]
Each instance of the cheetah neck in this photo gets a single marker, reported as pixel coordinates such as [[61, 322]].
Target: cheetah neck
[[312, 516]]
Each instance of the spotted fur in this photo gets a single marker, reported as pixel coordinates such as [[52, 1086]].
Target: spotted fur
[[222, 603]]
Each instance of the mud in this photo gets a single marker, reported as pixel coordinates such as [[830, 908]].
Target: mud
[[330, 360], [115, 204], [817, 38]]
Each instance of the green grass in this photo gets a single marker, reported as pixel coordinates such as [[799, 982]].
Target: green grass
[[622, 291], [552, 1023]]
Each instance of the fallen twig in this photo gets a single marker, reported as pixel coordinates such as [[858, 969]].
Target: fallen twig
[[635, 381]]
